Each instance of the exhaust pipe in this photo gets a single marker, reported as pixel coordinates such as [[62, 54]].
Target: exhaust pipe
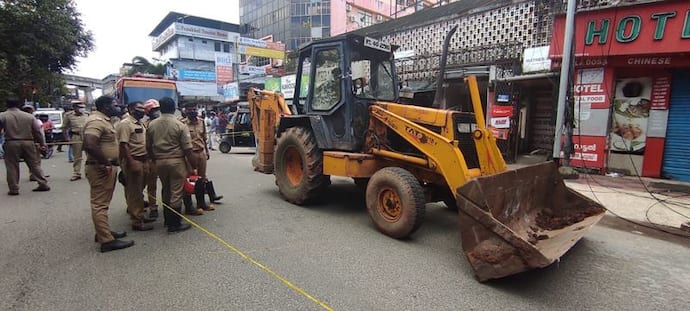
[[438, 96]]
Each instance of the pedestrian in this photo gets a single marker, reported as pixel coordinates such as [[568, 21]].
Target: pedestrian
[[20, 134], [221, 124], [71, 129], [198, 133], [100, 144], [169, 144], [210, 125], [131, 136], [153, 111], [28, 108]]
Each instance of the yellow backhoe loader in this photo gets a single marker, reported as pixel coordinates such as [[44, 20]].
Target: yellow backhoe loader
[[349, 124]]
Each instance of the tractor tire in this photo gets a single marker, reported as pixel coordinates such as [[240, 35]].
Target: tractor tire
[[298, 166], [224, 147], [395, 202]]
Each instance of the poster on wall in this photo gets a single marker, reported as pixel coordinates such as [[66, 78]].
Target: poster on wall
[[631, 106], [589, 151], [590, 88]]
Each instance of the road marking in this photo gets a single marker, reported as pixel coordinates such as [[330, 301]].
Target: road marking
[[250, 259]]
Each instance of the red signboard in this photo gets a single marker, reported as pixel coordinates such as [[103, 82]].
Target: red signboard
[[593, 87], [659, 27], [501, 111], [661, 91], [589, 151]]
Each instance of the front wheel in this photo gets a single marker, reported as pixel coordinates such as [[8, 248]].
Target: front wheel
[[224, 147], [298, 166], [395, 202]]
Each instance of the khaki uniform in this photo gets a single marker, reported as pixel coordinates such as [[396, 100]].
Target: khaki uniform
[[197, 132], [167, 139], [74, 124], [151, 179], [131, 132], [19, 144], [102, 183]]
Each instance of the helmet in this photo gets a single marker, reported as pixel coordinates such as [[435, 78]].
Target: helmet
[[190, 183], [151, 104]]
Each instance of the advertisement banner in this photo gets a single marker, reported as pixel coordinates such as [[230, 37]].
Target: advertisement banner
[[536, 59], [223, 70], [252, 70], [231, 91], [590, 87], [261, 52], [631, 108], [500, 122], [661, 91], [194, 75], [501, 111], [272, 84], [287, 85], [304, 86], [589, 151]]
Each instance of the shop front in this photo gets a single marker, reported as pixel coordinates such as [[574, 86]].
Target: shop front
[[631, 88]]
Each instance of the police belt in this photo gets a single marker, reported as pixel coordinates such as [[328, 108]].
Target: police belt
[[93, 162], [140, 158], [18, 139]]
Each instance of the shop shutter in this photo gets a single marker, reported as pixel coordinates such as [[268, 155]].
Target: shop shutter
[[676, 163]]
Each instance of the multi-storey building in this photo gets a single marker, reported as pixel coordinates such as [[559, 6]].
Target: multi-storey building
[[189, 45], [296, 22]]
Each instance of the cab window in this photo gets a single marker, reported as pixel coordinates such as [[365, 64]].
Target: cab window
[[327, 80]]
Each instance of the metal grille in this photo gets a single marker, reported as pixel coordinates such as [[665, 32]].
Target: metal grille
[[482, 38]]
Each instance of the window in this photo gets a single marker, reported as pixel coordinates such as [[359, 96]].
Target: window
[[216, 46], [226, 47], [327, 80], [377, 85]]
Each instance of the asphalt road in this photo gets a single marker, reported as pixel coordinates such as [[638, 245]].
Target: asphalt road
[[331, 251]]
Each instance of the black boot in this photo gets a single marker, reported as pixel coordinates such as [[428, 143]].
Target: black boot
[[200, 193], [175, 223], [167, 215], [212, 192], [189, 208]]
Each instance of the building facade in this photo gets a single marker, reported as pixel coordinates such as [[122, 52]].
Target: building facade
[[296, 22], [505, 43], [194, 49], [632, 87]]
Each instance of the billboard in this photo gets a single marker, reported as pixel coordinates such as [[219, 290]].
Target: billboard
[[223, 70]]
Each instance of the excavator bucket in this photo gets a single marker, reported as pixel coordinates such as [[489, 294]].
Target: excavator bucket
[[521, 219]]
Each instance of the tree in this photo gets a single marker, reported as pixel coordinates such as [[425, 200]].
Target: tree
[[39, 40], [142, 65]]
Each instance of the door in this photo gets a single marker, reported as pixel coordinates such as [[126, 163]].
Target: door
[[676, 164]]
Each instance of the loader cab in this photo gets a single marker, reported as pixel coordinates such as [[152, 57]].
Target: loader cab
[[338, 79]]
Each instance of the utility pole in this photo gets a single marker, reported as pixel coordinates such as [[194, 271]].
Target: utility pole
[[564, 87]]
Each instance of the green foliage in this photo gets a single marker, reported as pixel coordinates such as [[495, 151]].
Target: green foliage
[[38, 41], [142, 65]]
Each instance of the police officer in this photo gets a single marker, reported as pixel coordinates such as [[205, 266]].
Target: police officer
[[100, 144], [71, 129], [153, 110], [20, 134], [131, 135], [197, 132], [169, 144]]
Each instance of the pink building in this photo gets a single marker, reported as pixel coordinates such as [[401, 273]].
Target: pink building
[[297, 22]]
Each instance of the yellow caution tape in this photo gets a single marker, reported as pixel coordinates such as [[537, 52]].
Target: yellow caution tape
[[250, 259]]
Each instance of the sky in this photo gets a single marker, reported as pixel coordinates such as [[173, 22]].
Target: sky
[[121, 28]]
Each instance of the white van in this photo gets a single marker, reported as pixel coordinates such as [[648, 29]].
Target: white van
[[55, 116]]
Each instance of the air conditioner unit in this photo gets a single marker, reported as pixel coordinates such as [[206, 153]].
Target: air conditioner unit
[[348, 7]]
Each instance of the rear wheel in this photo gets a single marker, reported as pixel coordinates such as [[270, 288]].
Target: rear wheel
[[298, 166], [224, 147], [395, 202]]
